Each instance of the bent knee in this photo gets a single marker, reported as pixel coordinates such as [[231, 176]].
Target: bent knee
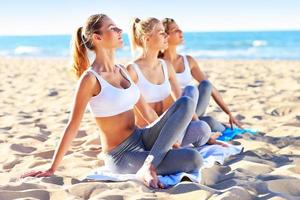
[[206, 84], [191, 91], [195, 160], [188, 103], [209, 120]]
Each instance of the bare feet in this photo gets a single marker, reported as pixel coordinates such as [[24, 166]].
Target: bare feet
[[176, 145], [213, 139], [147, 174]]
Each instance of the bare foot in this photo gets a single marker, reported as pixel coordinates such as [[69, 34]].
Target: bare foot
[[213, 139], [147, 174], [176, 146]]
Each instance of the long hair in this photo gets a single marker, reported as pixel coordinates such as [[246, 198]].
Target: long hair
[[138, 30], [82, 40]]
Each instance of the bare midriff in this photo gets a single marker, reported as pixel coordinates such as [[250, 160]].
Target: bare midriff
[[162, 106], [115, 129]]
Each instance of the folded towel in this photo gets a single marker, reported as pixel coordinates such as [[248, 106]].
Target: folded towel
[[210, 154], [228, 134]]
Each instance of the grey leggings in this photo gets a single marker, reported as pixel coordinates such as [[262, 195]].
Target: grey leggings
[[205, 90], [198, 132], [157, 140]]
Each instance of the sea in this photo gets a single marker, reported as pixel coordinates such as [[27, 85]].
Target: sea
[[251, 45]]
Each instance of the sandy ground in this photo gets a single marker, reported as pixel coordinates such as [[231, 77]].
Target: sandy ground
[[36, 97]]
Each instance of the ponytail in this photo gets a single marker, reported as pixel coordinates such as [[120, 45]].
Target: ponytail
[[79, 53], [133, 37]]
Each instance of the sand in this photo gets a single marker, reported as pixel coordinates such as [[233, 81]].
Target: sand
[[36, 96]]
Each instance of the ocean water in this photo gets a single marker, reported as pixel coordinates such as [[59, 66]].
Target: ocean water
[[277, 45]]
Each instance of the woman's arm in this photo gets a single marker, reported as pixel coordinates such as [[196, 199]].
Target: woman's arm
[[145, 112], [176, 90], [83, 94], [200, 76]]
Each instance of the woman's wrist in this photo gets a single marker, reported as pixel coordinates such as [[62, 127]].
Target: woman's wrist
[[52, 169]]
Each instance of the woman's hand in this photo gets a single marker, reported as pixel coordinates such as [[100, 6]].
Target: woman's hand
[[37, 174], [233, 120], [148, 175]]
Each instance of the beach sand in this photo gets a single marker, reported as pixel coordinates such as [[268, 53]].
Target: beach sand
[[36, 98]]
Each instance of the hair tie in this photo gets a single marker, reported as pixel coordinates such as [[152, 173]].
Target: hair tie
[[83, 40], [137, 20]]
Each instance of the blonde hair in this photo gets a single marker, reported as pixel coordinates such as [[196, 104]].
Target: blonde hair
[[139, 29], [82, 40]]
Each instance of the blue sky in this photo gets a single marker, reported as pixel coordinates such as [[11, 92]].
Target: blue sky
[[37, 17]]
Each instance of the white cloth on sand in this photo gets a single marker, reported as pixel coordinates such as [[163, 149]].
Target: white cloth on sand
[[210, 153]]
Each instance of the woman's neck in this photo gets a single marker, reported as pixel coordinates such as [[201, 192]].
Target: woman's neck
[[105, 60], [150, 57], [170, 54]]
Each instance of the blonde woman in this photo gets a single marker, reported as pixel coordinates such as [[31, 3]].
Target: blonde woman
[[111, 96], [187, 70], [157, 82]]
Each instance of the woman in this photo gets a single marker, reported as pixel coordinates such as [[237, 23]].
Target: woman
[[187, 69], [156, 79], [111, 96]]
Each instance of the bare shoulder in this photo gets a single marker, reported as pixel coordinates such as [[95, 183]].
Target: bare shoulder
[[131, 71], [168, 64], [171, 70], [87, 78], [87, 82], [192, 61], [190, 58]]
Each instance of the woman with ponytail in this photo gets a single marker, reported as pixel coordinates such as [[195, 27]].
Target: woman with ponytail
[[187, 70], [110, 94], [157, 81]]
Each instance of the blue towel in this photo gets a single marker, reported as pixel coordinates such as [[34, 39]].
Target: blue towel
[[228, 134], [209, 153]]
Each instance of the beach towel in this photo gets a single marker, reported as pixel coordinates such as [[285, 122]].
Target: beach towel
[[229, 134], [210, 153]]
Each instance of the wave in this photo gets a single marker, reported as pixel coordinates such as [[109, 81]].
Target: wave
[[259, 43], [223, 53], [27, 50]]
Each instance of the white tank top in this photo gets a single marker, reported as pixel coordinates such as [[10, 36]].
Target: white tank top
[[112, 100], [153, 92], [185, 78]]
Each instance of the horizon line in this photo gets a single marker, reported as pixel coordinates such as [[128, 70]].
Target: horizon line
[[191, 31]]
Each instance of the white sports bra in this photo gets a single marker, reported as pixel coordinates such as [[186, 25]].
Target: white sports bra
[[112, 100], [153, 92], [185, 78]]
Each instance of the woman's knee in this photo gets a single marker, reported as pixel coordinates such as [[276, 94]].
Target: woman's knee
[[195, 159], [187, 103], [213, 123], [205, 86], [192, 92], [209, 120], [203, 131]]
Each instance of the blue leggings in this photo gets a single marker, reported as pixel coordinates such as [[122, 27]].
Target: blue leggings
[[205, 90], [157, 141], [198, 132]]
